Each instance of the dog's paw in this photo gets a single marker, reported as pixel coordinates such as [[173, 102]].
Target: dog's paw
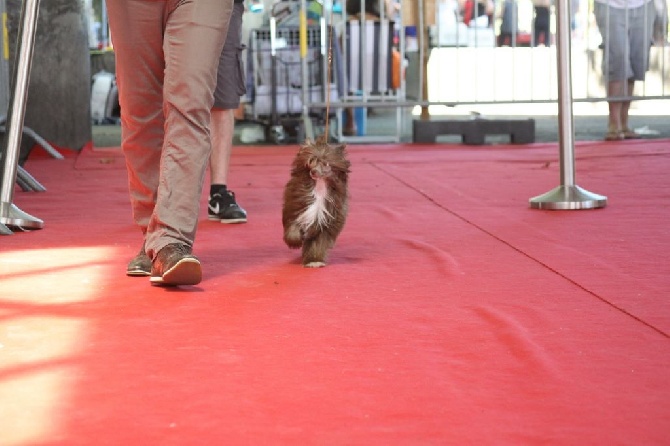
[[293, 239], [314, 264]]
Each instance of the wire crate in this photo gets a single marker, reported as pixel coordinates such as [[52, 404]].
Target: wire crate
[[275, 70]]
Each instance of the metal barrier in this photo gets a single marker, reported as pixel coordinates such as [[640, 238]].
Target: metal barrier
[[367, 69], [11, 215], [457, 56], [517, 69], [492, 62], [12, 125], [484, 62]]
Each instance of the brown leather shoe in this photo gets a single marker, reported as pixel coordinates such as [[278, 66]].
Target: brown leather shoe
[[140, 265], [175, 265]]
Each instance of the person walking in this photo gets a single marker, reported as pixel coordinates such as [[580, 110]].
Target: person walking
[[626, 27], [542, 22], [230, 87], [167, 53]]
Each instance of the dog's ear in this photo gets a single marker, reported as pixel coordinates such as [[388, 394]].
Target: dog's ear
[[340, 148]]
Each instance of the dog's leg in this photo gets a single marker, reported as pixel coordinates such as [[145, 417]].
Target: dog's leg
[[293, 236], [314, 251]]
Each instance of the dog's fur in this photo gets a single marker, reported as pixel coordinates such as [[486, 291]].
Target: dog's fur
[[316, 200]]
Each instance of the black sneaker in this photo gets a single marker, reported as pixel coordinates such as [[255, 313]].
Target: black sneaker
[[223, 207], [140, 265], [175, 265]]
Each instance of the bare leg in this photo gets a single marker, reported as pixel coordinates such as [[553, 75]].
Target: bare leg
[[625, 106], [615, 88], [222, 204], [222, 128]]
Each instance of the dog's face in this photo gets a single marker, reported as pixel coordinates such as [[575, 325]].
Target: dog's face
[[322, 160]]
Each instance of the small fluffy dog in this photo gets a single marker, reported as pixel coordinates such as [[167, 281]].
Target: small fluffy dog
[[316, 200]]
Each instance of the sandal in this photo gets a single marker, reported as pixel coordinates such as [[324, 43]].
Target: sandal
[[614, 135], [630, 134]]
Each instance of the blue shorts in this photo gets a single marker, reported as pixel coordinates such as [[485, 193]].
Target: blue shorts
[[626, 39], [230, 82]]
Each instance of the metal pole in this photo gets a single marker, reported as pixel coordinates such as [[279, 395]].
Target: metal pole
[[306, 121], [327, 67], [302, 39], [11, 215], [4, 62], [27, 181], [423, 59], [104, 25], [567, 195]]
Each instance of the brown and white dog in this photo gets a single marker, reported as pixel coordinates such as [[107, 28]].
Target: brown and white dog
[[316, 200]]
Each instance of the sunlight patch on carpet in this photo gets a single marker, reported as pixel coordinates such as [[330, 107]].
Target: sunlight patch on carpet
[[39, 338]]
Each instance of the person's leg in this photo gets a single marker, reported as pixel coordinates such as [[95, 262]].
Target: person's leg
[[194, 36], [614, 89], [539, 25], [625, 107], [546, 27], [139, 75], [640, 22], [223, 126], [613, 28], [222, 205]]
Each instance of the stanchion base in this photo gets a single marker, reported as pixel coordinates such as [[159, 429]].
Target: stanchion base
[[568, 197], [12, 216], [4, 230]]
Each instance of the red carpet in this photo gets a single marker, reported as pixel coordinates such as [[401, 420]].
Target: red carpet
[[450, 312]]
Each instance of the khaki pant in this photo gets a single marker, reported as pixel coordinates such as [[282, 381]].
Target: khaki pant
[[167, 53]]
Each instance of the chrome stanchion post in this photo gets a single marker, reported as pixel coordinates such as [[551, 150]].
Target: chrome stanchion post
[[568, 195], [10, 215]]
